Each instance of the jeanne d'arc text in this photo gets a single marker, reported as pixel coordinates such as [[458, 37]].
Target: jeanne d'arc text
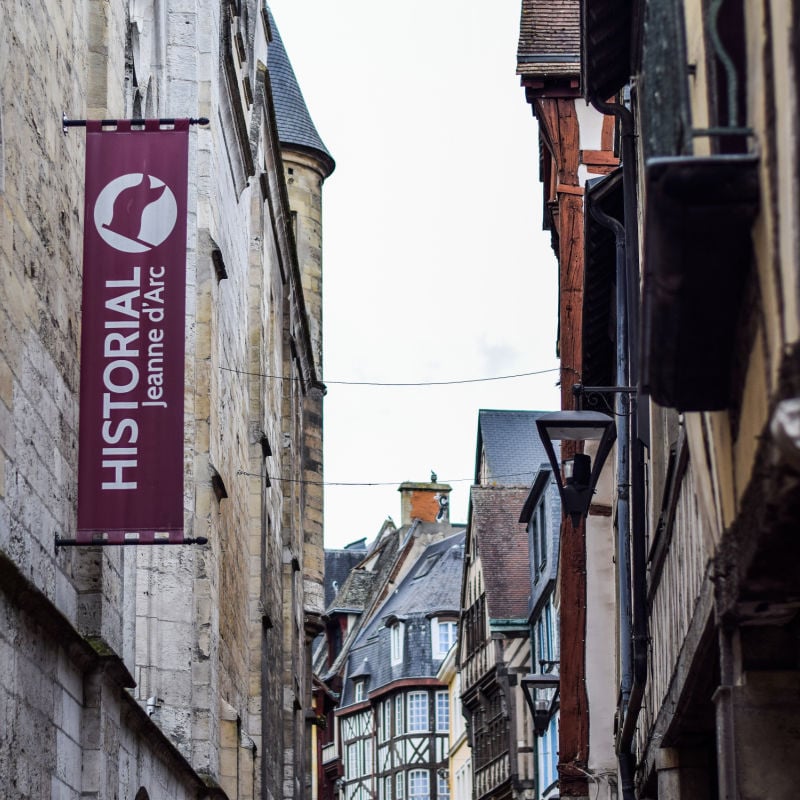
[[130, 308]]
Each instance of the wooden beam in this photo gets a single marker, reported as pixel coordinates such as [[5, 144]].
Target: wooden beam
[[599, 157]]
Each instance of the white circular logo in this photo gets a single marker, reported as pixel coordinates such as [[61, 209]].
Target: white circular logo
[[135, 212]]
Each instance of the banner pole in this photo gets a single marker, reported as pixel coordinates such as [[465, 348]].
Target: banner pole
[[59, 542], [66, 122]]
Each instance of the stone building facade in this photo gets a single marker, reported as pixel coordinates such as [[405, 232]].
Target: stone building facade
[[150, 672]]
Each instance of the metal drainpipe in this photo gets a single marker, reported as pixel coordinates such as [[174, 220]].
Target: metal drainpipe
[[639, 555], [623, 447]]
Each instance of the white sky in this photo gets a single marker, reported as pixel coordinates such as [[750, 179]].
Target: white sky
[[435, 265]]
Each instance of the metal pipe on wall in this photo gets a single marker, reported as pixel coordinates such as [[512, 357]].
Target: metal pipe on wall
[[635, 582], [624, 610]]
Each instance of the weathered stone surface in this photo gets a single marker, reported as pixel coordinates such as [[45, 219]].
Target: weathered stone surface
[[199, 628]]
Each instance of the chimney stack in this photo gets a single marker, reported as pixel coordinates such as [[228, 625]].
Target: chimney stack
[[428, 502]]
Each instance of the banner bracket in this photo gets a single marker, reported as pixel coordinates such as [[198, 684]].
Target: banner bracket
[[59, 542], [67, 123]]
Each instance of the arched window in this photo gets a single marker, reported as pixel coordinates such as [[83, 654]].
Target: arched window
[[142, 794]]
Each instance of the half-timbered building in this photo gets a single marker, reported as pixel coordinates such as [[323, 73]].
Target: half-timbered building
[[698, 226], [395, 713], [494, 639], [541, 515], [578, 147], [389, 625]]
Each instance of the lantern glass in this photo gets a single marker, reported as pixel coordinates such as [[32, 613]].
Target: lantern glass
[[577, 470], [576, 476]]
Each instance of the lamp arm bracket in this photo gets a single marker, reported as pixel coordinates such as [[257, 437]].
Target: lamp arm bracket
[[595, 396]]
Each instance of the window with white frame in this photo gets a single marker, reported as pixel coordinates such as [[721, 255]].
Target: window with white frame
[[538, 537], [556, 642], [442, 711], [442, 785], [400, 785], [443, 636], [353, 765], [419, 785], [358, 691], [417, 712], [368, 765], [385, 729], [548, 755], [399, 717], [359, 759], [387, 788], [396, 638], [547, 638]]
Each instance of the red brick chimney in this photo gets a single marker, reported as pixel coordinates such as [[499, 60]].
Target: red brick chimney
[[428, 502]]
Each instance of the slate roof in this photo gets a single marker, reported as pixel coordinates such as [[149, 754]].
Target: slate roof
[[338, 566], [549, 38], [295, 126], [511, 446], [356, 591], [503, 547], [432, 586]]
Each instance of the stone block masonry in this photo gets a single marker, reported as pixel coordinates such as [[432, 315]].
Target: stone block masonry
[[157, 669]]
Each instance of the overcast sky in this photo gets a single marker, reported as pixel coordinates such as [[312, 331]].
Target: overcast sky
[[435, 264]]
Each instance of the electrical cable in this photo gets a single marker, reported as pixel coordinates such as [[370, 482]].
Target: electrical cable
[[371, 483], [397, 383]]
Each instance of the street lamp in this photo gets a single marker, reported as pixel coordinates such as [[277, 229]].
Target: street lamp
[[577, 476], [541, 695]]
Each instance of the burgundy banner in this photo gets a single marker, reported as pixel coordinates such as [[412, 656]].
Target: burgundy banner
[[130, 470]]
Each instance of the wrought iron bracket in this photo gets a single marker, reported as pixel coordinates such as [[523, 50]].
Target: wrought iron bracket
[[593, 395], [66, 122], [59, 542]]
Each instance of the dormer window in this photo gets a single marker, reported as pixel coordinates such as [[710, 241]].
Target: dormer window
[[396, 636], [443, 636], [360, 677], [359, 691]]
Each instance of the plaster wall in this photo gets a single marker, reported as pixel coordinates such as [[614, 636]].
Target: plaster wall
[[590, 125], [602, 676]]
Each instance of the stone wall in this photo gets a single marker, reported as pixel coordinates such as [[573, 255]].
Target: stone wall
[[180, 670]]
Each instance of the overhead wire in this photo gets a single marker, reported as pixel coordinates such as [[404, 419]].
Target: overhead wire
[[369, 483], [388, 384], [398, 383]]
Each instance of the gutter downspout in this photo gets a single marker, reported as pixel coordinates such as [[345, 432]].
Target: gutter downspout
[[623, 556], [639, 555]]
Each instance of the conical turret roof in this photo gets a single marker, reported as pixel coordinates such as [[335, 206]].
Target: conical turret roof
[[296, 129]]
